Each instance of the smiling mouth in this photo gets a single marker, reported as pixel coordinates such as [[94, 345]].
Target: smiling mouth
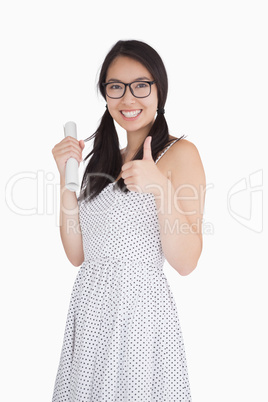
[[131, 113]]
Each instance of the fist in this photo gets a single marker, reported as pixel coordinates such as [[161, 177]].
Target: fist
[[69, 147], [143, 176]]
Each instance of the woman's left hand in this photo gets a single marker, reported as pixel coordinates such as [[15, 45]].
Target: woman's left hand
[[143, 176]]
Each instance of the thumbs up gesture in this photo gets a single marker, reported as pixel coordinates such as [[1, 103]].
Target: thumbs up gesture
[[143, 176]]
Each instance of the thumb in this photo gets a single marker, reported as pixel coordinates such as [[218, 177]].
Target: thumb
[[82, 144], [147, 151]]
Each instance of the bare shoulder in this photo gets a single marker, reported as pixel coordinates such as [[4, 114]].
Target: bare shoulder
[[182, 151], [185, 147], [184, 156], [182, 164]]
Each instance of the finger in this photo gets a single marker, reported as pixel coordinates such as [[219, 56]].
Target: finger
[[70, 139], [127, 165], [71, 151], [82, 144], [74, 143], [147, 151], [129, 173]]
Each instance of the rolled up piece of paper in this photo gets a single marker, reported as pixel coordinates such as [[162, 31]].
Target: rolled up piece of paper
[[71, 172]]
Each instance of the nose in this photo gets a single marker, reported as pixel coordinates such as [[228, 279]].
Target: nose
[[128, 97]]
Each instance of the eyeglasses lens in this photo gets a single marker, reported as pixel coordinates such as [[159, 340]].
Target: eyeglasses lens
[[116, 89]]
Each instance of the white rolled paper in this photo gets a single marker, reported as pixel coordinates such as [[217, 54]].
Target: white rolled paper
[[71, 172]]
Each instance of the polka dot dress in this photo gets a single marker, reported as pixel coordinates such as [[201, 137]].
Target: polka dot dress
[[122, 340]]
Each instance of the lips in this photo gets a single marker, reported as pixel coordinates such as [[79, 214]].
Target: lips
[[131, 113]]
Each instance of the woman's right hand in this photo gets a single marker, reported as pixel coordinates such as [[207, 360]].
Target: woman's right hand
[[69, 147]]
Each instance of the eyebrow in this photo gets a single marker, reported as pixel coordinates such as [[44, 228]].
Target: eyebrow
[[137, 79]]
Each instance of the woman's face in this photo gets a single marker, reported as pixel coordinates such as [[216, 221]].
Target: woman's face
[[131, 113]]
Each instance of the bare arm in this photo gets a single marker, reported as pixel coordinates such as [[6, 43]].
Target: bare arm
[[70, 229], [180, 208]]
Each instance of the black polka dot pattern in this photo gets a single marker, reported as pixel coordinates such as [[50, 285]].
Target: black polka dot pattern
[[122, 340]]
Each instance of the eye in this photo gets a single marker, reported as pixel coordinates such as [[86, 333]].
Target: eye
[[142, 85], [115, 86]]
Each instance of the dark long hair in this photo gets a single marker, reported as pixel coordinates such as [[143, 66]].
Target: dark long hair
[[106, 161]]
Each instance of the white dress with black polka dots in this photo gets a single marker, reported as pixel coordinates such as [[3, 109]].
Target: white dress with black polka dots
[[122, 340]]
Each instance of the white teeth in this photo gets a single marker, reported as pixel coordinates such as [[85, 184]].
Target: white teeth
[[133, 113]]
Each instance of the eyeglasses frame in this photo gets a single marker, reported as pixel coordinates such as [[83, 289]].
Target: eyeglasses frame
[[104, 84]]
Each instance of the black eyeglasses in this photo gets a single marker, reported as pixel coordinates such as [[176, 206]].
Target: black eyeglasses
[[117, 89]]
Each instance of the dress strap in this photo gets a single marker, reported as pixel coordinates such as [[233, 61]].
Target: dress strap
[[165, 150]]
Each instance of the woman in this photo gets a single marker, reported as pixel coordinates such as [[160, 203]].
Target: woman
[[136, 208]]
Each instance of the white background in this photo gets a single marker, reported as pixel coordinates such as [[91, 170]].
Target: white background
[[216, 57]]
